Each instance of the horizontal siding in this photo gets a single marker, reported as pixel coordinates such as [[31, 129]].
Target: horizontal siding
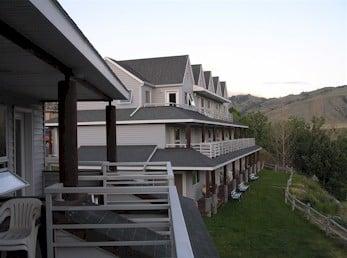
[[91, 135], [141, 135]]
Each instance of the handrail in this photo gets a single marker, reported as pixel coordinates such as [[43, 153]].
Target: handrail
[[155, 183]]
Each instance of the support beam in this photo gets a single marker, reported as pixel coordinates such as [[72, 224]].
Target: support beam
[[21, 41], [188, 135], [68, 156], [223, 134], [230, 136], [111, 139], [207, 179], [225, 175], [203, 136], [214, 133], [213, 179]]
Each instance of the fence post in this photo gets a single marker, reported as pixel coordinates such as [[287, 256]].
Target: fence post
[[327, 225]]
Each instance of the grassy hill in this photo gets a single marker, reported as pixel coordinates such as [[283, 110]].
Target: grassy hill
[[329, 102], [261, 225]]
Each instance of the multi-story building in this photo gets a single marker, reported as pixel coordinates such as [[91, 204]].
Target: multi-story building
[[179, 113], [121, 210]]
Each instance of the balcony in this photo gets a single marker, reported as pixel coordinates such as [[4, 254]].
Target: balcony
[[133, 210], [214, 149]]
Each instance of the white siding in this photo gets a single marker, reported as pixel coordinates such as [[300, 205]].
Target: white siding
[[141, 135], [158, 93], [94, 135], [130, 83]]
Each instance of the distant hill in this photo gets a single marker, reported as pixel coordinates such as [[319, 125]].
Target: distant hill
[[329, 102]]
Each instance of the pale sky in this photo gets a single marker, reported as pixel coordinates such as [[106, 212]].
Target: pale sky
[[267, 48]]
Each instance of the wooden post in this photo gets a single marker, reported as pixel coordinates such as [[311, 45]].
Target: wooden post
[[203, 137], [188, 135], [111, 139], [207, 179], [214, 133], [225, 175], [223, 134], [68, 156], [213, 177], [230, 133]]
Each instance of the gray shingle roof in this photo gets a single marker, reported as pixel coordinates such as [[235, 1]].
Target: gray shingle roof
[[207, 75], [125, 153], [159, 70], [200, 240], [196, 72], [144, 113], [215, 83], [181, 157]]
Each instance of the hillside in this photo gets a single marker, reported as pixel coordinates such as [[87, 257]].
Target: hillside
[[329, 102]]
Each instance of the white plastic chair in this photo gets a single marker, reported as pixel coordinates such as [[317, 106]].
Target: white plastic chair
[[243, 187], [22, 232]]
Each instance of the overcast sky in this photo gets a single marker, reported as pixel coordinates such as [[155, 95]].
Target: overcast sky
[[267, 48]]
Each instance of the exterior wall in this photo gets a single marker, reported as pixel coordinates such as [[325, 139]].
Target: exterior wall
[[141, 135], [188, 81], [126, 135], [131, 83], [189, 190], [145, 88], [92, 105], [159, 92]]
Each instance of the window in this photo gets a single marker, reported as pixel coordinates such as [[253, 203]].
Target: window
[[196, 177], [171, 98], [191, 100], [186, 99], [177, 135], [147, 96]]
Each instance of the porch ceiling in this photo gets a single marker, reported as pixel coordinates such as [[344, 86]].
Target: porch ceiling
[[46, 25]]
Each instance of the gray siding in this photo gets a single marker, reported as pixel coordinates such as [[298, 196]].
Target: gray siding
[[126, 135]]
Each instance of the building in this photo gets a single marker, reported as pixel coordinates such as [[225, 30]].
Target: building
[[179, 113], [45, 57]]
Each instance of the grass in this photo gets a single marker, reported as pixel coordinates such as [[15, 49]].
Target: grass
[[262, 225], [308, 190]]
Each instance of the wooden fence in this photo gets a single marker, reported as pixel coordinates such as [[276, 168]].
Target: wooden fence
[[324, 222]]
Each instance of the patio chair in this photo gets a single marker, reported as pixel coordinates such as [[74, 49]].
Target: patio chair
[[22, 231], [235, 195], [243, 187]]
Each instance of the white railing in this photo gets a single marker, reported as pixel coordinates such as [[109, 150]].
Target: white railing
[[212, 113], [324, 222], [144, 197], [214, 149]]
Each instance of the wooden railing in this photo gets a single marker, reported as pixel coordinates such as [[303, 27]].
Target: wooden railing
[[214, 149], [324, 222], [144, 197]]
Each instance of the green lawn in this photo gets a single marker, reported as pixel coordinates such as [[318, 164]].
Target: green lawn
[[261, 225]]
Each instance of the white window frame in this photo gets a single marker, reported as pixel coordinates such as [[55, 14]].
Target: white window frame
[[150, 97], [167, 96]]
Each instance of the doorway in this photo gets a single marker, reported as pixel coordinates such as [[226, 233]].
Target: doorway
[[23, 149]]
